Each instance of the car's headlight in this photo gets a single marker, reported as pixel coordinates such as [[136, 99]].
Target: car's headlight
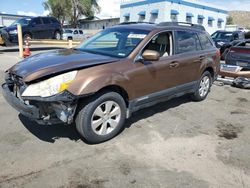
[[221, 43], [13, 32], [51, 86]]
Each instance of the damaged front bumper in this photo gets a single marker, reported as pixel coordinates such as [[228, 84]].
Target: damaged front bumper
[[56, 109]]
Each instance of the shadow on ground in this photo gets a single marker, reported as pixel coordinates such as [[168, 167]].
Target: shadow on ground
[[50, 133], [31, 48]]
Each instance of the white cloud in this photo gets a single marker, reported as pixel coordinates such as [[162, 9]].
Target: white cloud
[[45, 13], [29, 13], [110, 8]]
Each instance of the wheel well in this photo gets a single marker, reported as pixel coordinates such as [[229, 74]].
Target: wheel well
[[27, 33], [117, 89], [210, 70]]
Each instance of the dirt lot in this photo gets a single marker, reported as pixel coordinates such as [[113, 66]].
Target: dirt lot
[[178, 143]]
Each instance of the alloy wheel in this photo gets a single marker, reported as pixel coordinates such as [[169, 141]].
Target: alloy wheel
[[106, 118]]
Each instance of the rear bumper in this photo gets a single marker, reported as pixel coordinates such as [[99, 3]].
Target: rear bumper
[[27, 110]]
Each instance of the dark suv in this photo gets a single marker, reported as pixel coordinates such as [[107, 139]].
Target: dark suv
[[116, 72], [35, 28], [225, 39]]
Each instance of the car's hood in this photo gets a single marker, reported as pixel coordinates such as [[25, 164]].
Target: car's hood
[[10, 28], [55, 62]]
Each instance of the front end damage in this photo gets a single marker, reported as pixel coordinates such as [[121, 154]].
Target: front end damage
[[59, 108]]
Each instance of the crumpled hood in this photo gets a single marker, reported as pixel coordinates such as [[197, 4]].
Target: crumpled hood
[[55, 62]]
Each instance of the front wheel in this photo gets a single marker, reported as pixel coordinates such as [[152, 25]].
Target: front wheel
[[57, 35], [102, 118], [203, 88]]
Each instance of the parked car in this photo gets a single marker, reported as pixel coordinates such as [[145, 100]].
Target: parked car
[[116, 72], [73, 34], [35, 28], [223, 39], [239, 55]]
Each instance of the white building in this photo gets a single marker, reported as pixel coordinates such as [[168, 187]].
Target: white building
[[213, 18], [7, 19]]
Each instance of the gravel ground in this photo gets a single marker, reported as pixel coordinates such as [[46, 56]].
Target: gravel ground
[[178, 143]]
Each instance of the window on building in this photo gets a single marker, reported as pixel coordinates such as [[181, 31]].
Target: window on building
[[174, 17], [200, 19], [210, 23], [126, 19], [188, 19], [187, 42], [219, 24]]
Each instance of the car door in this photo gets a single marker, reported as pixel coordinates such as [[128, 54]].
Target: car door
[[37, 28], [188, 58], [157, 77], [49, 32]]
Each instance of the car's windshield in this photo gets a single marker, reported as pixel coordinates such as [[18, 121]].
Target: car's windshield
[[67, 31], [22, 21], [116, 42], [222, 35]]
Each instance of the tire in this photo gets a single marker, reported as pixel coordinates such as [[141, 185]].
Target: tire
[[27, 35], [70, 38], [203, 87], [93, 117], [57, 35]]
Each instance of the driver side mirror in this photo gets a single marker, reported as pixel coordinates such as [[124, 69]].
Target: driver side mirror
[[150, 55]]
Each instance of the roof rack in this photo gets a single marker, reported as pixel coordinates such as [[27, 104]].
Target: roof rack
[[128, 23], [182, 24]]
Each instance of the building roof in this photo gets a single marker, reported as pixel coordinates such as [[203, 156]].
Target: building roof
[[14, 15]]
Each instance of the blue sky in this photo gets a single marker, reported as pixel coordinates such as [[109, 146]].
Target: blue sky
[[34, 7]]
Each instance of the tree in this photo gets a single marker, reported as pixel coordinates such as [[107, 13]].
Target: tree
[[71, 9], [80, 8], [230, 20]]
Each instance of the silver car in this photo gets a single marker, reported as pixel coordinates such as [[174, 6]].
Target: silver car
[[73, 34]]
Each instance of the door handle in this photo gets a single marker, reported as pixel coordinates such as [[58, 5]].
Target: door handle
[[202, 58], [174, 64], [199, 59]]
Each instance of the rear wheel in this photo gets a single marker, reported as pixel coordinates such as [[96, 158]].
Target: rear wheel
[[102, 118], [203, 88]]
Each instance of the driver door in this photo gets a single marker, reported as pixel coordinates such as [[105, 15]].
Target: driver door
[[152, 77]]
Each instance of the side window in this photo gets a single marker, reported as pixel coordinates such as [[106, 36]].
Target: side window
[[205, 42], [80, 31], [75, 32], [53, 20], [162, 43], [46, 20], [36, 21], [187, 42]]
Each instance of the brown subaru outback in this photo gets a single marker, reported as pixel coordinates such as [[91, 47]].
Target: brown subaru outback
[[116, 72]]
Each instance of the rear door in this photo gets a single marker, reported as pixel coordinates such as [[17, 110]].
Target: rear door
[[37, 28], [49, 32], [188, 57]]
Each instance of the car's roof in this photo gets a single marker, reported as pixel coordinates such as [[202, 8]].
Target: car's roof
[[151, 26]]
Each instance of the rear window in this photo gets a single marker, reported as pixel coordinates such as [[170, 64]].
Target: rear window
[[187, 42], [205, 41], [80, 31]]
